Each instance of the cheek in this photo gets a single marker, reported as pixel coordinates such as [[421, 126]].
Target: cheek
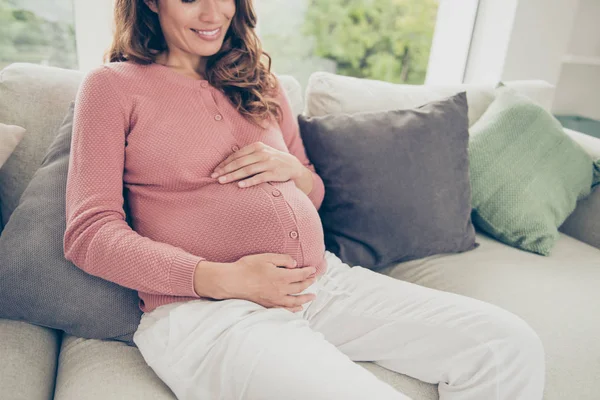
[[229, 9]]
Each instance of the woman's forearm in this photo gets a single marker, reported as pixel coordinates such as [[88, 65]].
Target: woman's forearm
[[209, 279]]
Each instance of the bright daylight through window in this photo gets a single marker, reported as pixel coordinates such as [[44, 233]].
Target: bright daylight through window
[[37, 31], [387, 40]]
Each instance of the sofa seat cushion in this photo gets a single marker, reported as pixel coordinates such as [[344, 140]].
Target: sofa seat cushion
[[556, 295], [95, 369], [28, 355]]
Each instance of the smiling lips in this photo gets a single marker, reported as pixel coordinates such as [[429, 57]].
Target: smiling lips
[[208, 34]]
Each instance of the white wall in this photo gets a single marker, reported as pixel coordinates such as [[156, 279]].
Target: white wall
[[578, 88], [93, 31], [520, 39], [539, 39]]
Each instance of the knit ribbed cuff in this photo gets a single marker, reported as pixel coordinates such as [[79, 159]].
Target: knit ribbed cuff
[[182, 274], [317, 192]]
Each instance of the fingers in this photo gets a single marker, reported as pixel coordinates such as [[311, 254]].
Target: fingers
[[283, 260], [239, 161], [297, 300], [299, 274], [293, 309], [250, 167], [298, 287], [238, 154]]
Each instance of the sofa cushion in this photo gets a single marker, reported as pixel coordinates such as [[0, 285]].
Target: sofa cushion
[[556, 295], [329, 93], [397, 181], [526, 173], [35, 97], [10, 136], [95, 369], [28, 359], [584, 222], [39, 284]]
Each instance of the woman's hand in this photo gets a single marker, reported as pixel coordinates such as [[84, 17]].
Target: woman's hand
[[264, 162], [259, 278]]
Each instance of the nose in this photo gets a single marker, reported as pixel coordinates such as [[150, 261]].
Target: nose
[[209, 11]]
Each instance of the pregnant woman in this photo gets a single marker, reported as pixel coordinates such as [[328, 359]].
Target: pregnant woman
[[225, 247]]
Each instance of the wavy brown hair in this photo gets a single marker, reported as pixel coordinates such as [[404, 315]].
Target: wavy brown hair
[[236, 69]]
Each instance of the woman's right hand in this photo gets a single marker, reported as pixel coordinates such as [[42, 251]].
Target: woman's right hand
[[260, 278]]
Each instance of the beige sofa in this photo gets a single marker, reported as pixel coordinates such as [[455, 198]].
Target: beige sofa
[[557, 295]]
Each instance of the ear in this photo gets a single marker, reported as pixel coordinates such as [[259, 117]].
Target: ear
[[152, 5]]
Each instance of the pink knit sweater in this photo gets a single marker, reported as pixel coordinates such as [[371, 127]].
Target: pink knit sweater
[[155, 136]]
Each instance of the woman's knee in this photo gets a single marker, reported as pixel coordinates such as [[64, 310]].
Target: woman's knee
[[518, 350]]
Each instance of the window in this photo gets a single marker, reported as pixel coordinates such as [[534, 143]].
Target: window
[[37, 31], [387, 40]]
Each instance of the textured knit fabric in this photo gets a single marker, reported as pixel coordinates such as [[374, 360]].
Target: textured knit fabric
[[526, 173], [152, 136]]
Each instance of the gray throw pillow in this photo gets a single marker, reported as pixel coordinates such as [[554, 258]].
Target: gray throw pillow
[[396, 182], [584, 223], [38, 284]]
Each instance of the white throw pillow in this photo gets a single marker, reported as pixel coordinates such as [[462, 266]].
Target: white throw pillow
[[10, 137], [329, 93]]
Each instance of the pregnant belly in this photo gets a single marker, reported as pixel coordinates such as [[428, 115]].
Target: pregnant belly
[[223, 223]]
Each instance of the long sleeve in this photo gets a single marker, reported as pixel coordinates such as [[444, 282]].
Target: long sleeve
[[97, 238], [291, 134]]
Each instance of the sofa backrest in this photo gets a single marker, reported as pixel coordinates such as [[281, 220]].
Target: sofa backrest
[[328, 93], [37, 98]]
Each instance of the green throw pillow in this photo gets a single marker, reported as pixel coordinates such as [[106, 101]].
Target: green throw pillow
[[526, 173]]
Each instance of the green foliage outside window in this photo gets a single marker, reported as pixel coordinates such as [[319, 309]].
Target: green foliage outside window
[[28, 37], [386, 40]]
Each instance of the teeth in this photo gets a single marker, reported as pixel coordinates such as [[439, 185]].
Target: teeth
[[207, 33]]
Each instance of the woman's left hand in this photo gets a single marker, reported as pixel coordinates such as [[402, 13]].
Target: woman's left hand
[[264, 162]]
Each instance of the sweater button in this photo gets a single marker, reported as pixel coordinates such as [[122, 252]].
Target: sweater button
[[218, 117], [293, 234], [276, 193], [235, 147], [204, 84]]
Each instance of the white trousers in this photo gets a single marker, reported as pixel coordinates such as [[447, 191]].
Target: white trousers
[[238, 350]]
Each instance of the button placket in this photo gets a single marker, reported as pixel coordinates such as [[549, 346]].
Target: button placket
[[221, 124]]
